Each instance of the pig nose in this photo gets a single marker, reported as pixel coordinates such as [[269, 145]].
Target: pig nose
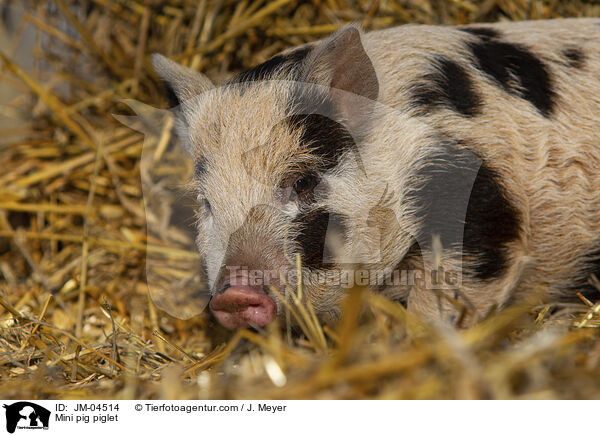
[[243, 306]]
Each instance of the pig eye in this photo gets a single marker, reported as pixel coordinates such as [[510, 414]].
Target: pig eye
[[305, 183], [205, 205]]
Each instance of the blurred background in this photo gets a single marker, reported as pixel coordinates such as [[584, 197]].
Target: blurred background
[[75, 315]]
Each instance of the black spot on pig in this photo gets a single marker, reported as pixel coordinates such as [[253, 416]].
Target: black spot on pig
[[313, 114], [461, 199], [280, 64], [491, 222], [313, 227], [574, 56], [482, 32], [326, 138], [448, 86], [517, 70]]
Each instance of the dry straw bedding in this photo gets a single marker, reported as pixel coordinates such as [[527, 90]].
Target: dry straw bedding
[[75, 317]]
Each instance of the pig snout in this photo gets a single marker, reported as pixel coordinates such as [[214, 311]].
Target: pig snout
[[240, 305]]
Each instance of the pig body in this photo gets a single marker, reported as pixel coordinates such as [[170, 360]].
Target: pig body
[[472, 150]]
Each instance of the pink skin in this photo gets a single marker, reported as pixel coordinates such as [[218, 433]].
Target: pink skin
[[243, 306]]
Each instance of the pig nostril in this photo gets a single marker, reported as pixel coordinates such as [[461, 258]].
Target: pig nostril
[[224, 288], [243, 306]]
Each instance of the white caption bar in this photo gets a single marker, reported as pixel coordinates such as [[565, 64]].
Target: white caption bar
[[297, 417]]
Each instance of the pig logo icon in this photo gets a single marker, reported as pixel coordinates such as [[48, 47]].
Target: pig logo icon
[[26, 415]]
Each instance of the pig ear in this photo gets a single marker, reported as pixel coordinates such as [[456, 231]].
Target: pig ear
[[341, 62], [182, 83]]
